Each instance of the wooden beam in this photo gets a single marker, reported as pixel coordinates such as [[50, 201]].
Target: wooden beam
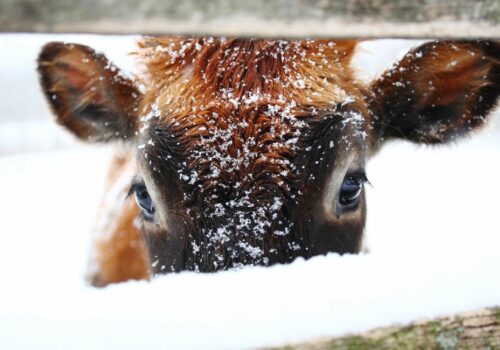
[[263, 18], [473, 330]]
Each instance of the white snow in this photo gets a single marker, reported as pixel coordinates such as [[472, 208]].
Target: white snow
[[432, 233]]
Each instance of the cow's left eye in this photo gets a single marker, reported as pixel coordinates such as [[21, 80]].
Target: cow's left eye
[[144, 201], [350, 191]]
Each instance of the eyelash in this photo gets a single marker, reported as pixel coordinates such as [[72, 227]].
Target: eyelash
[[136, 182]]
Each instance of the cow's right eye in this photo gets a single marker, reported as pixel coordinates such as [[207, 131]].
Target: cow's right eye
[[350, 191], [144, 201]]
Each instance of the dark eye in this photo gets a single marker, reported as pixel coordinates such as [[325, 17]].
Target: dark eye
[[144, 201], [350, 191]]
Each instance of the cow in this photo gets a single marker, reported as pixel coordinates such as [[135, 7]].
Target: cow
[[234, 152]]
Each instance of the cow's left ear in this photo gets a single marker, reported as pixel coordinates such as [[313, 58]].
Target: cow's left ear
[[438, 92], [88, 94]]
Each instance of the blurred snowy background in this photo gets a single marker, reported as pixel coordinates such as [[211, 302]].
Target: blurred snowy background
[[432, 231]]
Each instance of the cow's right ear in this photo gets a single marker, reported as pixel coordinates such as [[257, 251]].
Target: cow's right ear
[[88, 94]]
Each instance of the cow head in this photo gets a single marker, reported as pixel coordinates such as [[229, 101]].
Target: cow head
[[253, 151]]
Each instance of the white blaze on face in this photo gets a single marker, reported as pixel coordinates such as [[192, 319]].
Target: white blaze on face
[[117, 190], [122, 171]]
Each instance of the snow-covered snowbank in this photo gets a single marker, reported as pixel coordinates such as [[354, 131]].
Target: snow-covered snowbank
[[432, 231]]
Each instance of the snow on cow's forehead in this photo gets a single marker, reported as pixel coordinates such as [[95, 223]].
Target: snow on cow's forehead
[[186, 79], [240, 106]]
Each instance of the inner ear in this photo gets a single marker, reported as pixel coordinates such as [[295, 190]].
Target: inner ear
[[88, 94]]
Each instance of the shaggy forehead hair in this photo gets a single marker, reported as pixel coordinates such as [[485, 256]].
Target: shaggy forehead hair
[[253, 88], [293, 69]]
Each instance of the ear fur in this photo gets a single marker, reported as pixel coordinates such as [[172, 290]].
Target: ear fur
[[437, 93], [89, 95]]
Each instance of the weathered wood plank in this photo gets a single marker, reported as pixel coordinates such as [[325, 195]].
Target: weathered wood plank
[[270, 18], [473, 330]]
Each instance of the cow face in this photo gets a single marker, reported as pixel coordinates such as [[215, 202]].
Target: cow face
[[253, 151]]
